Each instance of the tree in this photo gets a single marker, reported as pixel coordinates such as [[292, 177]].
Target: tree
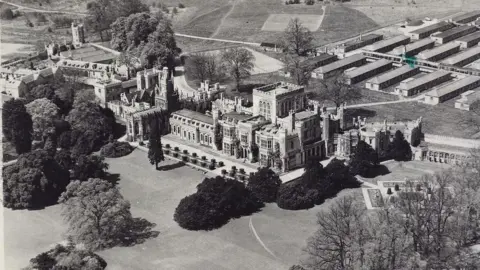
[[155, 151], [43, 112], [203, 66], [91, 166], [364, 160], [6, 14], [297, 37], [299, 69], [63, 159], [264, 184], [41, 91], [17, 125], [239, 63], [334, 244], [34, 181], [100, 16], [116, 149], [97, 214], [215, 202], [473, 119], [399, 149], [336, 89]]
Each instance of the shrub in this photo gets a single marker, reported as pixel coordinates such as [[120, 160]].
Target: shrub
[[141, 143], [60, 256], [232, 173], [234, 168], [213, 161], [7, 14], [389, 191], [216, 201], [49, 29], [211, 167], [392, 199], [185, 158], [180, 5], [176, 148], [293, 196], [204, 164], [166, 151], [204, 158], [194, 161], [418, 187], [116, 149], [220, 164], [175, 155], [264, 184], [167, 146], [185, 151], [224, 172], [194, 155], [242, 177], [242, 171], [397, 187]]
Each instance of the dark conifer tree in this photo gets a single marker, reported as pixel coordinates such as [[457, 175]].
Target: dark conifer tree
[[155, 151]]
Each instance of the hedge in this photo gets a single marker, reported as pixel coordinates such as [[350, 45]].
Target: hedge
[[116, 149]]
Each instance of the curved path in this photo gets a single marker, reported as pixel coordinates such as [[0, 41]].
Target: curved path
[[250, 224], [43, 10]]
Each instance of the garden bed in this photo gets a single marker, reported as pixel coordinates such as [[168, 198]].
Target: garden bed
[[375, 197]]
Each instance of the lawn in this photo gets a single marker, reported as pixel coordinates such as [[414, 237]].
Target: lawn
[[440, 119], [154, 196]]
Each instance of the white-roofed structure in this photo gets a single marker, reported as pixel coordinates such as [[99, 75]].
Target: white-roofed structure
[[453, 33], [413, 48], [464, 58], [469, 40], [451, 90], [467, 99], [355, 60], [364, 72], [390, 78], [412, 87], [388, 44], [428, 30], [440, 52]]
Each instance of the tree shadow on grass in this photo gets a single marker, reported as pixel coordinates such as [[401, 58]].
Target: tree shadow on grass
[[377, 171], [171, 166], [139, 231], [113, 178]]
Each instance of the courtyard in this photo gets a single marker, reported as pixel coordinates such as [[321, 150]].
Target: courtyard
[[154, 196]]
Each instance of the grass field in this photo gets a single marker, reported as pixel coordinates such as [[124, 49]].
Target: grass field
[[154, 196], [279, 22]]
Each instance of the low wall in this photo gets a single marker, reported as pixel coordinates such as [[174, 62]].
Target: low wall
[[452, 141]]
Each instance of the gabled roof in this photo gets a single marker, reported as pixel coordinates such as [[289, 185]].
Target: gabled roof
[[194, 116], [392, 74], [438, 50], [340, 63], [366, 68], [439, 92], [432, 27]]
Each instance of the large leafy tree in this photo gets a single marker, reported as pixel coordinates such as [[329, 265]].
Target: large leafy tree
[[17, 125], [43, 112], [41, 91], [215, 202], [336, 90], [297, 37], [155, 151], [97, 214], [203, 66], [399, 149], [299, 69], [91, 166], [364, 160], [264, 184], [239, 63], [35, 180]]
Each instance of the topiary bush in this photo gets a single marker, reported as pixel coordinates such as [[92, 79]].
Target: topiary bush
[[203, 164], [213, 161], [194, 161], [185, 158], [224, 172], [397, 187], [167, 146], [220, 164], [242, 171], [166, 151], [175, 155], [194, 155], [204, 158], [389, 191], [211, 167], [185, 151], [116, 149], [176, 148]]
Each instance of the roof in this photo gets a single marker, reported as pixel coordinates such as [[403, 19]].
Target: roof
[[340, 63], [237, 116], [392, 74], [130, 83], [438, 50], [470, 96], [362, 39], [99, 58], [451, 87], [462, 56], [279, 88], [304, 115], [319, 58], [470, 37], [195, 116], [386, 42], [46, 72], [449, 149], [269, 44], [424, 79], [454, 31], [413, 46], [369, 67], [469, 15], [431, 28]]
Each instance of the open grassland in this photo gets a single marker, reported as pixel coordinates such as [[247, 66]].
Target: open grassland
[[279, 22], [63, 5], [440, 119], [154, 196]]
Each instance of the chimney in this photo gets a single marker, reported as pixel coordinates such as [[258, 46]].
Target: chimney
[[292, 121]]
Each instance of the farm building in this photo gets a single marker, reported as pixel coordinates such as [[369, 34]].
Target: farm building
[[451, 90], [427, 31], [440, 52], [413, 48], [395, 76], [340, 65], [357, 43], [464, 58], [453, 33], [412, 87], [469, 40], [388, 44], [466, 18], [272, 47], [364, 72], [466, 99]]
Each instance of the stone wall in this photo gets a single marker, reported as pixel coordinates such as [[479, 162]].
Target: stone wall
[[452, 141]]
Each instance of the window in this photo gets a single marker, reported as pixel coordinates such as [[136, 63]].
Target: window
[[226, 132], [174, 129], [210, 139], [184, 134], [244, 138], [201, 137], [269, 144], [226, 147], [193, 136], [292, 145], [305, 134], [263, 144]]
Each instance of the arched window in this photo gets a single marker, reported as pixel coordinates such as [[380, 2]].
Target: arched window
[[201, 137]]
